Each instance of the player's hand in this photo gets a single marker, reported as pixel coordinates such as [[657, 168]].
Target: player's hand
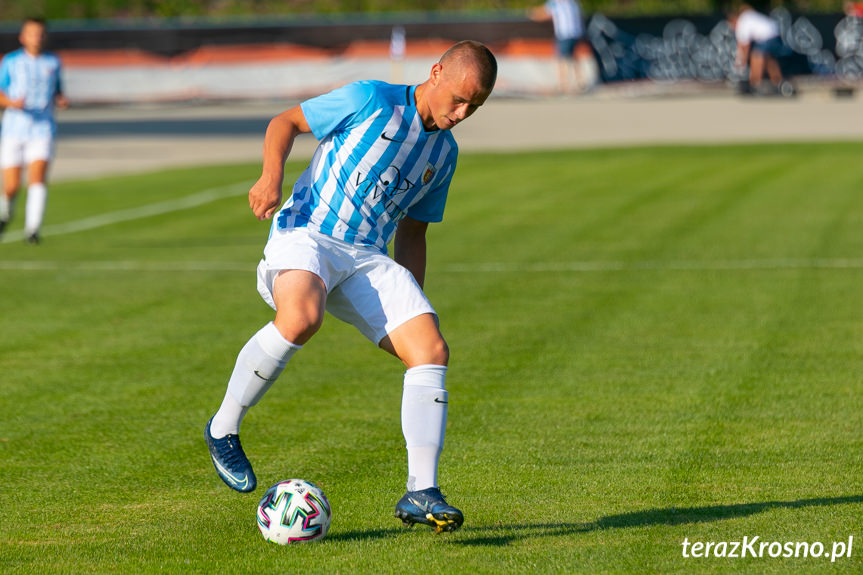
[[61, 102], [265, 197], [17, 104]]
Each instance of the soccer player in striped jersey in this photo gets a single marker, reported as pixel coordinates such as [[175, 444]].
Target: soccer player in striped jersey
[[382, 170], [30, 88]]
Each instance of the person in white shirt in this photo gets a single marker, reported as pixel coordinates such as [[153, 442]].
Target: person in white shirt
[[760, 45], [566, 18]]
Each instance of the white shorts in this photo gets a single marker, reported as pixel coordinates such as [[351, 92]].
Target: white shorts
[[16, 152], [365, 288]]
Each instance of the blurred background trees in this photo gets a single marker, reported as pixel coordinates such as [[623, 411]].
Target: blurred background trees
[[14, 10]]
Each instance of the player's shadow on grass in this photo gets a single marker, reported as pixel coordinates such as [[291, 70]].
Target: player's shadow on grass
[[505, 534]]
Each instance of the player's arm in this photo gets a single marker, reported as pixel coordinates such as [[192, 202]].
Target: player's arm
[[539, 14], [60, 99], [6, 102], [266, 195], [410, 247], [5, 81]]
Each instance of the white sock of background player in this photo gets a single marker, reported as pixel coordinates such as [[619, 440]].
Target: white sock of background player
[[37, 198]]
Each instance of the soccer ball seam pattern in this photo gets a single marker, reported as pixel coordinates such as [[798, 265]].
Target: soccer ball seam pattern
[[294, 511]]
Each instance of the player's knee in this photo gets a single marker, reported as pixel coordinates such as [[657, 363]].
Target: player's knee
[[306, 330], [421, 352], [299, 327], [438, 352], [11, 185]]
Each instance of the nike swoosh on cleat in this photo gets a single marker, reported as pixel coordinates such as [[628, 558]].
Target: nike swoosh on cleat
[[423, 506], [438, 400], [244, 483]]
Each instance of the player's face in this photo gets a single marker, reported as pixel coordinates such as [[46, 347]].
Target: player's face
[[32, 37], [454, 95]]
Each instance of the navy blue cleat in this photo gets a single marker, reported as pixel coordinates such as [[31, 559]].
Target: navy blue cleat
[[230, 461], [429, 507]]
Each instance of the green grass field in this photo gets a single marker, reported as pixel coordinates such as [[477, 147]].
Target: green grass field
[[648, 346]]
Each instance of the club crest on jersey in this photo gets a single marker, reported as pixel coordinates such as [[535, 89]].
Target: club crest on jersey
[[428, 174]]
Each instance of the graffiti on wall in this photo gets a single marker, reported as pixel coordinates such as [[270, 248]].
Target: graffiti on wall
[[682, 52], [849, 48]]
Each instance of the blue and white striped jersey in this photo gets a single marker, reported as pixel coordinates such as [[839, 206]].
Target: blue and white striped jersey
[[37, 80], [566, 17], [374, 165]]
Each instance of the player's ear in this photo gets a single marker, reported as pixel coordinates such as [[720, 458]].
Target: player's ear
[[435, 73]]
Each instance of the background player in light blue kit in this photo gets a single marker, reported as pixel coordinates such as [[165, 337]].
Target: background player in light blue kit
[[382, 170], [30, 87]]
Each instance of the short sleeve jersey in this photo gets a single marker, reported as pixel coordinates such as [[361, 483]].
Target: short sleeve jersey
[[37, 80], [566, 18], [753, 26], [374, 165]]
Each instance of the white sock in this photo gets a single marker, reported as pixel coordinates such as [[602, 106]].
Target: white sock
[[37, 197], [258, 365], [7, 207], [424, 404]]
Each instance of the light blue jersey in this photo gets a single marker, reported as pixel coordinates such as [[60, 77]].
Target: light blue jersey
[[37, 80], [375, 165]]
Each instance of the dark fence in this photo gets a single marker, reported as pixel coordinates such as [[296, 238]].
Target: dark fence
[[172, 38]]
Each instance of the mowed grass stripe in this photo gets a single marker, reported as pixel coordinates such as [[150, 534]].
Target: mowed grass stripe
[[146, 211], [481, 267], [647, 345]]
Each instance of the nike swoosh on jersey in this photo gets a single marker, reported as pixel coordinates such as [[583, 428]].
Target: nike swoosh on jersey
[[388, 139]]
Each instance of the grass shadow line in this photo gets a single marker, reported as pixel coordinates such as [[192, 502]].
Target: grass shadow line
[[502, 535], [365, 534]]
